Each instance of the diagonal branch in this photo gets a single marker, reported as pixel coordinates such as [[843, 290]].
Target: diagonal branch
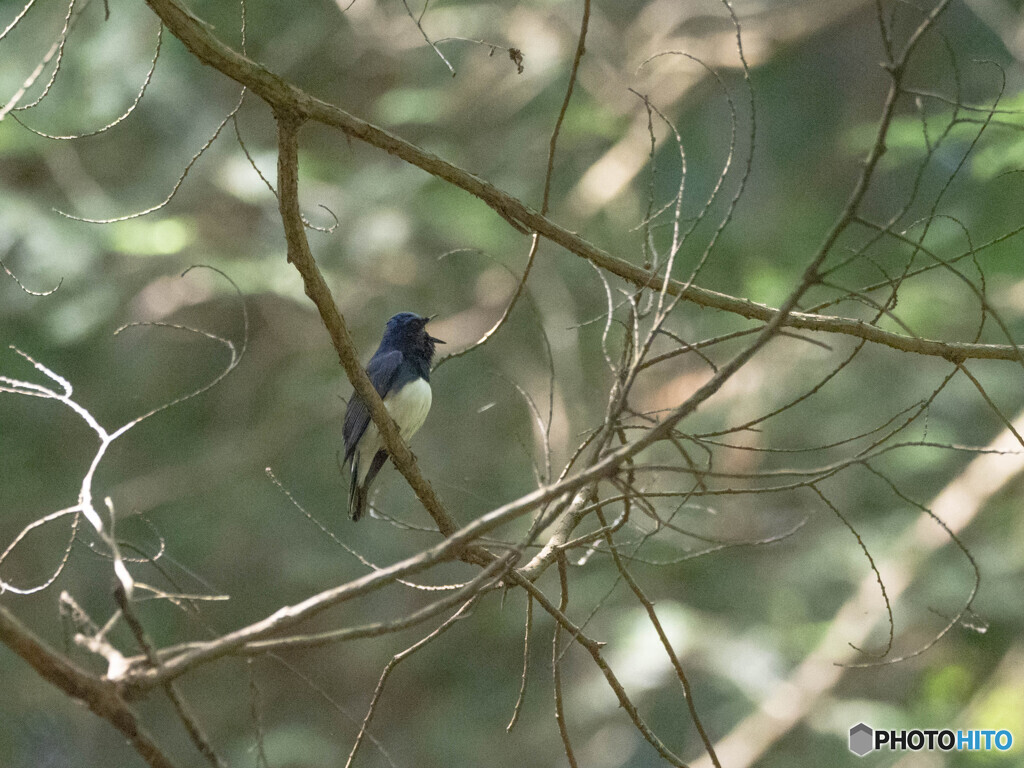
[[99, 695], [286, 98], [300, 255]]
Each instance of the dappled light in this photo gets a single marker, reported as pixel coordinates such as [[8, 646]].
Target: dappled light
[[725, 434]]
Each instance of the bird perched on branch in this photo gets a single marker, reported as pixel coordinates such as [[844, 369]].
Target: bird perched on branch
[[400, 372]]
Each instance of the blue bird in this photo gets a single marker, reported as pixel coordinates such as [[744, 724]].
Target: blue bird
[[400, 372]]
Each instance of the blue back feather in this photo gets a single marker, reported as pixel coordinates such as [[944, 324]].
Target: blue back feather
[[404, 355]]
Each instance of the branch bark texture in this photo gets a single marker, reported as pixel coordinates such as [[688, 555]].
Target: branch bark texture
[[99, 695], [286, 98], [299, 254]]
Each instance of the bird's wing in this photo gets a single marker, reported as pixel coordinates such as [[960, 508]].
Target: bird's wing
[[383, 371]]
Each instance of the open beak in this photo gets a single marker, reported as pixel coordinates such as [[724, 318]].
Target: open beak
[[433, 338]]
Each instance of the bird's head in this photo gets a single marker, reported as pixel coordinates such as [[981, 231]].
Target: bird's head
[[407, 331]]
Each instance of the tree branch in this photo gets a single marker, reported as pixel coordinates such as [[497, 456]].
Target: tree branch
[[316, 287], [286, 98], [99, 695]]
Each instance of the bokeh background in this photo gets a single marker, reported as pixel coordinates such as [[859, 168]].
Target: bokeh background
[[742, 619]]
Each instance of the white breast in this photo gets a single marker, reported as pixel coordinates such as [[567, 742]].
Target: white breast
[[408, 407]]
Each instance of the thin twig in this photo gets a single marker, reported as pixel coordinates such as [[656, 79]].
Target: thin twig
[[526, 664], [556, 673], [286, 98], [418, 21], [195, 731], [316, 287], [397, 659], [652, 616], [100, 696]]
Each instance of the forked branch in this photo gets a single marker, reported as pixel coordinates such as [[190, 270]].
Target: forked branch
[[285, 98]]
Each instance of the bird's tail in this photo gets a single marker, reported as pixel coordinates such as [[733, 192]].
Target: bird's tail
[[356, 493], [356, 501], [359, 489]]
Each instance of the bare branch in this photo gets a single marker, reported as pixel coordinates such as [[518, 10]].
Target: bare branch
[[397, 659], [526, 664], [318, 291], [286, 98], [177, 184], [21, 285], [100, 696], [124, 116], [418, 21], [556, 674]]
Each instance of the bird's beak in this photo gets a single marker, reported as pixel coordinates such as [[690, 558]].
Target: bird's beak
[[434, 338]]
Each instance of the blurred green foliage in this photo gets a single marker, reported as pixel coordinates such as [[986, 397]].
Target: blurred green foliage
[[742, 618]]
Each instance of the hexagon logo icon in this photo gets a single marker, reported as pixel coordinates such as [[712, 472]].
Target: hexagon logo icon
[[862, 739]]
